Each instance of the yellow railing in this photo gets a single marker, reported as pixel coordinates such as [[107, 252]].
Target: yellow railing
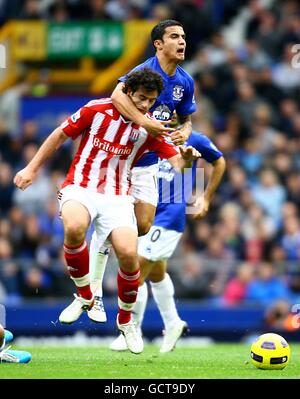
[[25, 42], [9, 74]]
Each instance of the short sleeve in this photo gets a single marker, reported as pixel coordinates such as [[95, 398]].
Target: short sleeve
[[78, 122]]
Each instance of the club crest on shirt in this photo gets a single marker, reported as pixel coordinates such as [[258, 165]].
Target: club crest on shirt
[[134, 135], [178, 92]]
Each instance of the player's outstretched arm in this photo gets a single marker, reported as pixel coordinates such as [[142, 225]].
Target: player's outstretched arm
[[183, 131], [185, 159], [126, 107], [26, 176], [213, 183]]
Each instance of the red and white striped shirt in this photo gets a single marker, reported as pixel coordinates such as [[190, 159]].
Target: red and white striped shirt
[[109, 148]]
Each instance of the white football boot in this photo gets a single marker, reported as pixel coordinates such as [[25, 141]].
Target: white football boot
[[75, 310], [97, 312], [172, 335], [119, 344], [133, 338]]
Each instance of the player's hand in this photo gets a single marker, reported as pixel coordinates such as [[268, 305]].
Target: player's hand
[[157, 128], [179, 137], [201, 208], [189, 153], [24, 178]]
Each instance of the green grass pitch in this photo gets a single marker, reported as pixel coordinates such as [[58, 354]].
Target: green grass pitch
[[220, 361]]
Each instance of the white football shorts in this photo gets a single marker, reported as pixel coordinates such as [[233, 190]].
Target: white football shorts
[[108, 212], [158, 244], [144, 184]]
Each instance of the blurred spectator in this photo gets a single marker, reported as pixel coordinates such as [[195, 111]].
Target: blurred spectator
[[31, 10], [192, 279], [269, 194], [266, 88], [160, 11], [59, 12], [10, 105], [216, 51], [197, 24], [236, 288], [253, 56], [290, 241], [279, 317], [251, 156], [11, 277], [6, 188], [246, 103], [285, 76], [51, 228], [293, 188], [267, 287], [236, 183], [258, 229], [288, 109], [229, 230], [36, 284], [267, 36], [96, 10]]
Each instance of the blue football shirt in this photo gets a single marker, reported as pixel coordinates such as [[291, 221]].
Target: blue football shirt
[[178, 94], [175, 189]]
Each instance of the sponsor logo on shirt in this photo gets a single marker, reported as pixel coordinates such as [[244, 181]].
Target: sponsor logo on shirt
[[162, 113], [107, 146]]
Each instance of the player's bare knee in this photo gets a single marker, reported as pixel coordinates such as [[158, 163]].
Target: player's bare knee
[[75, 230], [128, 259]]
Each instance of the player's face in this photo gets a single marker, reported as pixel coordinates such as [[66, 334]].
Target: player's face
[[143, 99], [173, 44]]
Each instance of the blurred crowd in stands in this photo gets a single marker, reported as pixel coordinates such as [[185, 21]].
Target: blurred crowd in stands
[[248, 97]]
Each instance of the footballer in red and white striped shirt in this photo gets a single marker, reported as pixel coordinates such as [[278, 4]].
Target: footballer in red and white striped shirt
[[96, 189], [109, 147]]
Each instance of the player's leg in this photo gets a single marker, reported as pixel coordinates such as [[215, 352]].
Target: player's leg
[[76, 220], [163, 294], [6, 354], [128, 281], [98, 260], [138, 311], [5, 337], [144, 212], [144, 191], [154, 251], [159, 242]]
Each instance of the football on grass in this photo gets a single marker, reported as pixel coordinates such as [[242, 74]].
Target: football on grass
[[270, 351]]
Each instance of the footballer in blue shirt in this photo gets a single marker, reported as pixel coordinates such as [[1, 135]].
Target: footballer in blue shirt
[[168, 39]]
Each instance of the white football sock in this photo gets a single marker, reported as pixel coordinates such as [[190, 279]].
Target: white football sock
[[98, 261], [163, 294], [140, 305]]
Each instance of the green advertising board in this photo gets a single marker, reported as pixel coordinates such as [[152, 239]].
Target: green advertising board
[[103, 40]]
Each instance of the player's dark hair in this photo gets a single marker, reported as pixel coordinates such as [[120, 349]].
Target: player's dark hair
[[145, 78], [159, 30]]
